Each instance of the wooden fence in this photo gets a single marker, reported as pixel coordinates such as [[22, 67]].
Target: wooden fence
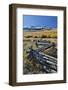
[[48, 63]]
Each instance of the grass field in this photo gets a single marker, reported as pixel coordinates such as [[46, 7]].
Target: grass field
[[41, 34], [30, 39]]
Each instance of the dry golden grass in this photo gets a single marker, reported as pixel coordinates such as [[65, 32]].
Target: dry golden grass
[[47, 33], [30, 65]]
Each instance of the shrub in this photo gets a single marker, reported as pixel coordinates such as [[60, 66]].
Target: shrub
[[36, 37], [43, 36], [28, 36], [53, 36]]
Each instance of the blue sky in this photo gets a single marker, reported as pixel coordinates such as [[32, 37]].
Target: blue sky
[[34, 20]]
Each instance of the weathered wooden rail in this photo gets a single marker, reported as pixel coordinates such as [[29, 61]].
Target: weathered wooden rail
[[48, 63], [44, 45]]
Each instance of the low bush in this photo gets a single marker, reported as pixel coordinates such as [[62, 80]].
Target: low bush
[[28, 36], [43, 36]]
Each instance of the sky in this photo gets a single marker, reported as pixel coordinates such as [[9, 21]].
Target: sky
[[40, 21]]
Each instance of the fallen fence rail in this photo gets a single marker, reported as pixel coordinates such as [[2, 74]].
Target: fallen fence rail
[[48, 63]]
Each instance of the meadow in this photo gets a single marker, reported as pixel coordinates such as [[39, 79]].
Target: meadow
[[41, 34], [30, 40]]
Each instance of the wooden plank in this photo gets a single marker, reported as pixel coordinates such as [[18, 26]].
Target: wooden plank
[[50, 64]]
